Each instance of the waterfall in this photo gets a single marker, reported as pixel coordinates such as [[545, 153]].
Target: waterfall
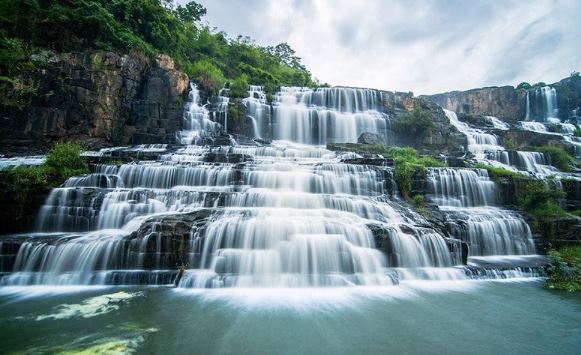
[[257, 109], [497, 123], [197, 121], [285, 214], [542, 107], [485, 148], [292, 216], [467, 196], [317, 116], [534, 126]]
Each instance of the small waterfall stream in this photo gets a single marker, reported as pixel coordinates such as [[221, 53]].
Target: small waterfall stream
[[485, 148], [467, 196]]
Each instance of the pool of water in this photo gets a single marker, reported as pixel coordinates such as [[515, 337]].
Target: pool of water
[[433, 317]]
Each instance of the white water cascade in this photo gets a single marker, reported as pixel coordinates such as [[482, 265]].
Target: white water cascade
[[485, 148], [318, 116], [467, 196], [542, 105], [278, 215], [197, 122]]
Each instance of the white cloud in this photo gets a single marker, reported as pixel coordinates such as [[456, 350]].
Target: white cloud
[[423, 46]]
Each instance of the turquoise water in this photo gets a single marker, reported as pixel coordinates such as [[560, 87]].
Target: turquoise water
[[467, 317]]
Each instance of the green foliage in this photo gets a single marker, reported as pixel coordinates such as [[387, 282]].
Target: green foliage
[[192, 12], [66, 161], [239, 87], [409, 164], [417, 123], [62, 162], [564, 271], [540, 84], [207, 75], [540, 200], [577, 133], [24, 178], [418, 201], [147, 27]]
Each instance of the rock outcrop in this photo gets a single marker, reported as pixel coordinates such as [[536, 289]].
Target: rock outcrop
[[101, 98], [505, 102]]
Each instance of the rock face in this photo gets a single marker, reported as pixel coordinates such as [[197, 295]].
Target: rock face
[[441, 138], [101, 98], [505, 102]]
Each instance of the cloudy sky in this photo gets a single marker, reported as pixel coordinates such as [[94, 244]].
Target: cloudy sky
[[413, 45]]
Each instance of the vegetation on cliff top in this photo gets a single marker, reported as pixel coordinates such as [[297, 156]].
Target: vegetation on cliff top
[[564, 271], [148, 27], [62, 162]]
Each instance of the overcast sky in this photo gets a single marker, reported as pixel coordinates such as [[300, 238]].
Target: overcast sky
[[411, 45]]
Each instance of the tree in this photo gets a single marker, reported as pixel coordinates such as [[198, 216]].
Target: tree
[[524, 85], [192, 12]]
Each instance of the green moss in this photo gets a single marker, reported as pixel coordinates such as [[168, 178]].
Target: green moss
[[498, 173], [564, 271]]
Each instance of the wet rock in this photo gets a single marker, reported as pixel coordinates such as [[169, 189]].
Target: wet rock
[[165, 242], [370, 138]]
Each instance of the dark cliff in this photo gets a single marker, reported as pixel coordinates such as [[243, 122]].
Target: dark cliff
[[101, 98], [509, 103]]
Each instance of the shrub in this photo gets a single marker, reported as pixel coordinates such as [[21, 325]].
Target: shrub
[[62, 162], [27, 177], [209, 77], [564, 271], [408, 164], [239, 87], [541, 200], [417, 123], [65, 160], [524, 85], [418, 201]]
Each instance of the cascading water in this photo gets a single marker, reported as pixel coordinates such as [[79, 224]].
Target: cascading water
[[541, 106], [485, 148], [317, 116], [257, 109], [280, 215], [467, 197], [497, 123], [197, 121]]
